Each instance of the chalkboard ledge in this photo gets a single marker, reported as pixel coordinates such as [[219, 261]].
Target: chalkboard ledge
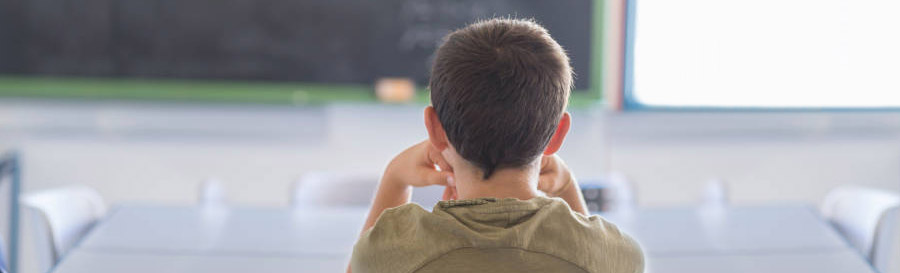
[[284, 93]]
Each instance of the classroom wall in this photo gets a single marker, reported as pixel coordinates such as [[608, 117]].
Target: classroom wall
[[162, 151], [762, 157]]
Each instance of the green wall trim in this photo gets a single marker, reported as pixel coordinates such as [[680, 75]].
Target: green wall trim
[[181, 90], [203, 91]]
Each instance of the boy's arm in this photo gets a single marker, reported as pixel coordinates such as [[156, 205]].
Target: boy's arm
[[390, 194], [572, 196], [556, 180], [413, 167]]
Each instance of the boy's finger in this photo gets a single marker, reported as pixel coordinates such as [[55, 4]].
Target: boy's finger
[[435, 157], [438, 159], [542, 184], [450, 191], [546, 184], [437, 178], [447, 194]]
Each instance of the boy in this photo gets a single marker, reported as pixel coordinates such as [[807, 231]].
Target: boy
[[499, 89]]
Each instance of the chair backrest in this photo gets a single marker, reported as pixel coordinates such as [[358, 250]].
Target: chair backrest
[[622, 195], [322, 189], [715, 194], [2, 257], [60, 218], [867, 218], [427, 197], [212, 193], [886, 248]]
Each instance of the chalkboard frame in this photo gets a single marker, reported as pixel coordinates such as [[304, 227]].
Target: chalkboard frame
[[262, 91]]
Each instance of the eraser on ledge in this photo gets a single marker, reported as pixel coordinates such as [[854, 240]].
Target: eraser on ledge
[[395, 90]]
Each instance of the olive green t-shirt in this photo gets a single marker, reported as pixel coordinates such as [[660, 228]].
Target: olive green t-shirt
[[494, 235]]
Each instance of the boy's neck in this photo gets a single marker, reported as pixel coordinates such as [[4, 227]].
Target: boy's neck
[[519, 183]]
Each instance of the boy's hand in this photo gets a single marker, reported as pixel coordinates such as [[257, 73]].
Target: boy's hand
[[556, 180], [555, 176], [415, 167]]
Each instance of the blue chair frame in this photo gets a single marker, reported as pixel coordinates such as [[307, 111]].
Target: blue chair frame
[[10, 166]]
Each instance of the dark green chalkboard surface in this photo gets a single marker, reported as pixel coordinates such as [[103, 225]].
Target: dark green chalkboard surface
[[337, 42]]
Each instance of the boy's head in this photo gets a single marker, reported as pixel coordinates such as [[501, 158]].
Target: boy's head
[[499, 89]]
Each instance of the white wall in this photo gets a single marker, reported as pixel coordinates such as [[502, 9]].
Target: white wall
[[789, 156], [161, 151]]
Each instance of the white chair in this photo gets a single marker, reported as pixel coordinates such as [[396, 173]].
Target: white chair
[[212, 193], [60, 218], [868, 219], [715, 194], [3, 268], [322, 189], [427, 197], [622, 195]]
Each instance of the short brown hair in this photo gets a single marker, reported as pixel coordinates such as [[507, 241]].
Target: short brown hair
[[499, 88]]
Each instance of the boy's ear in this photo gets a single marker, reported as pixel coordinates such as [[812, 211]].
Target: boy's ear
[[436, 134], [557, 140]]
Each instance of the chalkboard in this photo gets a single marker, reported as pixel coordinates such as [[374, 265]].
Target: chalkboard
[[319, 41]]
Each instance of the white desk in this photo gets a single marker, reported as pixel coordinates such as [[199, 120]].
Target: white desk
[[112, 262], [844, 261], [761, 229], [140, 239], [841, 261], [234, 231], [334, 231]]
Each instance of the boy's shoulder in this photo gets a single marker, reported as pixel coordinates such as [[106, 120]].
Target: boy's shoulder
[[399, 219], [588, 240], [398, 242], [407, 237]]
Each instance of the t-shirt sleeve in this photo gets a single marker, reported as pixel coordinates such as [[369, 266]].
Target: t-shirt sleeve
[[591, 242], [391, 243], [623, 253], [633, 249]]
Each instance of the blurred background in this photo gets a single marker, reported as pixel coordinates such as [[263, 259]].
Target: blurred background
[[143, 101]]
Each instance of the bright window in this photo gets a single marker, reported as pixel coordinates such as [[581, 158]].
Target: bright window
[[764, 53]]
